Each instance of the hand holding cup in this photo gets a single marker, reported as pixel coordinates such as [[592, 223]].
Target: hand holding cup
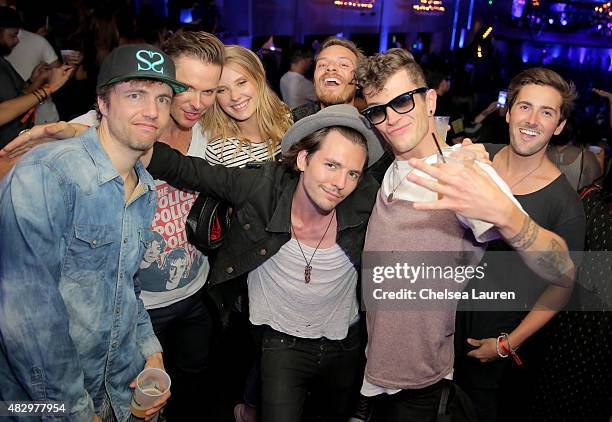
[[71, 57], [152, 387], [465, 189]]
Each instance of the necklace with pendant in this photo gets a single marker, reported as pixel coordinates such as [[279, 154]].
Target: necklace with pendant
[[528, 174], [308, 267]]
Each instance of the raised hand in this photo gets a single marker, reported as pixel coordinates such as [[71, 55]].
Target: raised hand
[[59, 76], [468, 191], [481, 153], [40, 74], [604, 94]]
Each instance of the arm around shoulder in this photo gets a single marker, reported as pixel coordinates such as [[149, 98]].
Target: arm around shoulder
[[185, 172]]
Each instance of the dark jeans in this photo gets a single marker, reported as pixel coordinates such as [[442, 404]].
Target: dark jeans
[[252, 388], [420, 405], [184, 331], [482, 382], [292, 366]]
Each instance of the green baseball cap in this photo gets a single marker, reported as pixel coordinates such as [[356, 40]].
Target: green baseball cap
[[139, 61]]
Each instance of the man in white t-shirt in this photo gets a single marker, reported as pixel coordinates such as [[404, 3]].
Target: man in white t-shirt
[[31, 51], [295, 88]]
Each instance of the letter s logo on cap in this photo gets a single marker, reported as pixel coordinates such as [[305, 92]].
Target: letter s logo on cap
[[148, 63]]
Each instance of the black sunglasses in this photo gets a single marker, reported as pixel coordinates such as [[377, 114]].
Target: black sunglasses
[[402, 104]]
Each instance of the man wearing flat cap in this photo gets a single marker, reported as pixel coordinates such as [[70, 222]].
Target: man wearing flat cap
[[73, 215], [297, 233]]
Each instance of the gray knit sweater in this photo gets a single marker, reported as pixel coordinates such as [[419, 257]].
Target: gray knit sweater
[[412, 347]]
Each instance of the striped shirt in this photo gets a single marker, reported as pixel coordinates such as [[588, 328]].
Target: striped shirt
[[231, 153]]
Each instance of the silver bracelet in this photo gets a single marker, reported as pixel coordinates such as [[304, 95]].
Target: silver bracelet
[[499, 353]]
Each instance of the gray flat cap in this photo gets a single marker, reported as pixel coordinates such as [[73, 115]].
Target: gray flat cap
[[335, 115]]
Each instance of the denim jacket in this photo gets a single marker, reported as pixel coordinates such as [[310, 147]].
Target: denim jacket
[[72, 326]]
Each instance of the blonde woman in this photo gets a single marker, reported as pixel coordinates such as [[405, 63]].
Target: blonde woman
[[247, 121]]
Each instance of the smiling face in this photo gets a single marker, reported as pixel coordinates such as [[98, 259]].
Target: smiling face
[[334, 74], [137, 112], [237, 94], [202, 79], [405, 132], [332, 172], [534, 118]]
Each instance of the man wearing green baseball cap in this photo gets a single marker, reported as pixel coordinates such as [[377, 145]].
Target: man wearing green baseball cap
[[73, 329], [138, 61]]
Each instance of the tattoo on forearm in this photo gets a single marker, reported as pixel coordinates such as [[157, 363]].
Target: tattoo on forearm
[[555, 261], [525, 238]]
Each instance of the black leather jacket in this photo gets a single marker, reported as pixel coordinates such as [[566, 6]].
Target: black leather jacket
[[261, 199]]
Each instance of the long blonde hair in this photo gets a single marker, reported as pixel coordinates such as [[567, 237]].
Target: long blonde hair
[[273, 116]]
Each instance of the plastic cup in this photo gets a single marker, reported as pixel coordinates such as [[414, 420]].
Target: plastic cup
[[151, 383], [459, 157], [454, 159], [71, 57], [441, 127]]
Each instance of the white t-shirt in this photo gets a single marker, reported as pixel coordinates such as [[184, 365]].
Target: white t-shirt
[[29, 53], [88, 119], [296, 89], [324, 307], [173, 269]]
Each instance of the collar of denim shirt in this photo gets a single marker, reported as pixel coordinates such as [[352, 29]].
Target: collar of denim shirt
[[106, 170]]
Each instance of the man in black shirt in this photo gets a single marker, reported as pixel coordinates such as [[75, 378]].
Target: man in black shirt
[[537, 238]]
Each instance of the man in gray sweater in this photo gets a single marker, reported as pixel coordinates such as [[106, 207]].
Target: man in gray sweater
[[410, 341], [410, 344]]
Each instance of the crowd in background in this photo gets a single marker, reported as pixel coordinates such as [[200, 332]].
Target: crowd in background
[[473, 83]]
